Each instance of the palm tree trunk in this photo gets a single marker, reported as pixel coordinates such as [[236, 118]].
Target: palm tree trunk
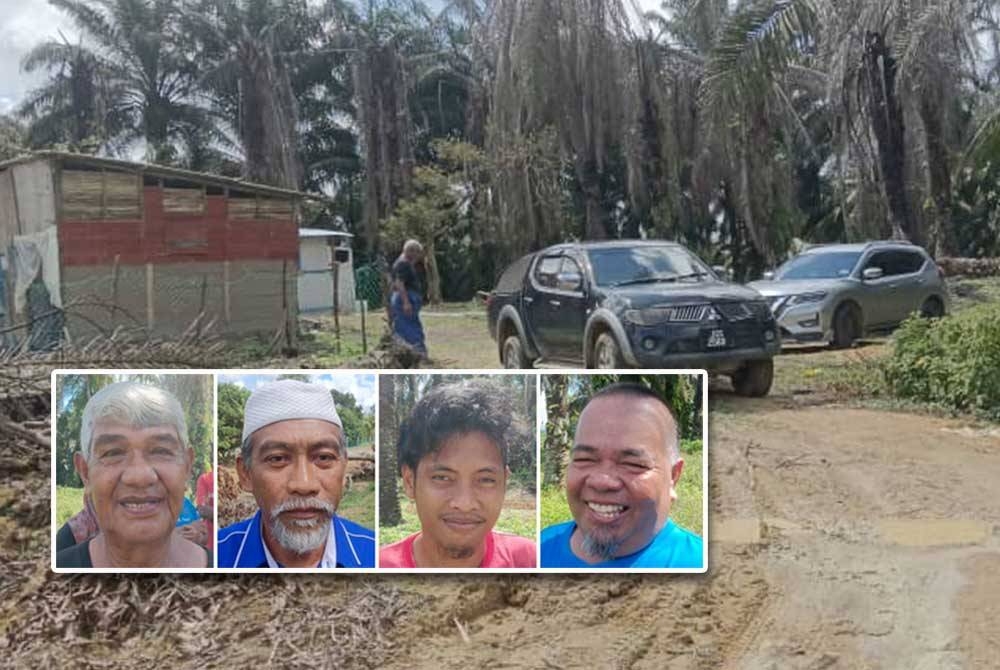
[[886, 116], [388, 496], [938, 177]]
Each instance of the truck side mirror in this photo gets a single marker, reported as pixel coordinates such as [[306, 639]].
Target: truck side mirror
[[769, 275], [869, 274]]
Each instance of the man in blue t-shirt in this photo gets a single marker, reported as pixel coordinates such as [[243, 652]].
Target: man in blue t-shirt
[[620, 484]]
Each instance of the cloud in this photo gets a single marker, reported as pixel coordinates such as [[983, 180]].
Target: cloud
[[24, 24], [361, 386]]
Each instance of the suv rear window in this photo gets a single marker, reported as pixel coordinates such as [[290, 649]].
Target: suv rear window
[[512, 278]]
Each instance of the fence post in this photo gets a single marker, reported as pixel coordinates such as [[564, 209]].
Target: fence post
[[364, 325], [336, 302]]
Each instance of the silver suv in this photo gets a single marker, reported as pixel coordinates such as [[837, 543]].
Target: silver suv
[[836, 293]]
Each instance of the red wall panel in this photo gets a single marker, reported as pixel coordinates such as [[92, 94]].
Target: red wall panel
[[173, 238]]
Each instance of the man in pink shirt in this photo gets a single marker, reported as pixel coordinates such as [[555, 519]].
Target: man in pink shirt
[[452, 454]]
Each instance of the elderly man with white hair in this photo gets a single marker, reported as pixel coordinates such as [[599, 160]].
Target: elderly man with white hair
[[135, 462], [405, 301], [294, 460]]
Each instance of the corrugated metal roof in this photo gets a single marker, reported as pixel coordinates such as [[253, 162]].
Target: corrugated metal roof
[[322, 232], [163, 170]]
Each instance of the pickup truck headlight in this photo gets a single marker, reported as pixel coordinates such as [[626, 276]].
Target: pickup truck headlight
[[805, 298], [653, 316]]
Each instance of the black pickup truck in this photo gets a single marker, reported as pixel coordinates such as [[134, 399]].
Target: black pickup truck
[[631, 303]]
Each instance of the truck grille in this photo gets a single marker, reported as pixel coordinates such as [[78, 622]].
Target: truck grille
[[688, 313]]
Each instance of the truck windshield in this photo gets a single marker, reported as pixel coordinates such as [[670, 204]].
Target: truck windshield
[[617, 266], [828, 265]]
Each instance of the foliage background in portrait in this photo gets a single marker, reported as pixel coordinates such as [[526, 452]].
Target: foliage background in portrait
[[72, 393], [397, 396], [354, 397], [565, 398]]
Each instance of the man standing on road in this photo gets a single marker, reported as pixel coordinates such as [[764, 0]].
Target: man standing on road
[[621, 482], [405, 301], [293, 459]]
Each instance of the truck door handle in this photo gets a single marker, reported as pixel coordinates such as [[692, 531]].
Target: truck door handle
[[554, 303], [529, 299]]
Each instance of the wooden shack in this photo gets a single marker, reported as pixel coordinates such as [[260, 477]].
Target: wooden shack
[[118, 243]]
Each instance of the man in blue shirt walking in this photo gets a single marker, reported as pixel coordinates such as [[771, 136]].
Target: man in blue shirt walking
[[620, 484]]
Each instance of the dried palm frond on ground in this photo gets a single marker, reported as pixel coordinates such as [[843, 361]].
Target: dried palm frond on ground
[[391, 352], [139, 621]]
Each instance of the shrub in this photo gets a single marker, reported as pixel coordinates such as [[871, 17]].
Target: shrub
[[954, 362]]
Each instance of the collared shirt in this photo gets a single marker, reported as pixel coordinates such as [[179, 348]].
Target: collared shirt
[[673, 547], [241, 545], [503, 550]]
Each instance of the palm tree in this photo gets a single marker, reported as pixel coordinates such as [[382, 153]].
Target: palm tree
[[252, 48], [71, 108], [150, 77]]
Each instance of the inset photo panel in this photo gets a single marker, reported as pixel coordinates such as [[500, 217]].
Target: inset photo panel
[[457, 471], [623, 472], [296, 470], [132, 468]]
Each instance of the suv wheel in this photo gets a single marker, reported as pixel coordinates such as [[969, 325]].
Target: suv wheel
[[607, 353], [512, 354], [846, 326], [754, 379], [932, 309]]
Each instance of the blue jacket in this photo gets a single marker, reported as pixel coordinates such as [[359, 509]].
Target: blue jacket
[[241, 545]]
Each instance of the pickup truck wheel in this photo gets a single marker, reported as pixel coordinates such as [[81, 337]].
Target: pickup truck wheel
[[754, 379], [512, 356], [607, 353]]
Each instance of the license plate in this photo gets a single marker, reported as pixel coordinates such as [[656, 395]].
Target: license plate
[[717, 338]]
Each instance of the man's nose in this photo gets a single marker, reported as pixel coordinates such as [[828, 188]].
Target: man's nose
[[464, 498], [604, 480], [302, 480], [138, 471]]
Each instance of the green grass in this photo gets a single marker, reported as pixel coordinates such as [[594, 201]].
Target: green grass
[[686, 511], [517, 518], [69, 501], [358, 504]]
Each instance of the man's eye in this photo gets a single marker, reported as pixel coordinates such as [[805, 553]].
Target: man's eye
[[275, 459], [326, 458], [440, 478], [636, 466], [487, 481], [112, 453], [583, 459]]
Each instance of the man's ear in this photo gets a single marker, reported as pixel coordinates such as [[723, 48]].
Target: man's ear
[[409, 481], [675, 476], [80, 463], [244, 473], [190, 458]]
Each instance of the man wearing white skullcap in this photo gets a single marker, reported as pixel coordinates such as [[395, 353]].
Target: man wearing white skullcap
[[293, 459]]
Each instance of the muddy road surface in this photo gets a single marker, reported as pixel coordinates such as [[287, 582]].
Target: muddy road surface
[[839, 538]]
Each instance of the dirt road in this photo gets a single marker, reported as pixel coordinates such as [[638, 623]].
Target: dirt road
[[839, 538]]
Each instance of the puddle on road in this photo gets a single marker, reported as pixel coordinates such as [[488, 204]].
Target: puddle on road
[[934, 533]]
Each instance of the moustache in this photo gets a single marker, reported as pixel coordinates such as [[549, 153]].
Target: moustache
[[292, 504]]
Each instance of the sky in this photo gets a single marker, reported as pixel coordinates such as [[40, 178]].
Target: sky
[[25, 23], [361, 386]]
